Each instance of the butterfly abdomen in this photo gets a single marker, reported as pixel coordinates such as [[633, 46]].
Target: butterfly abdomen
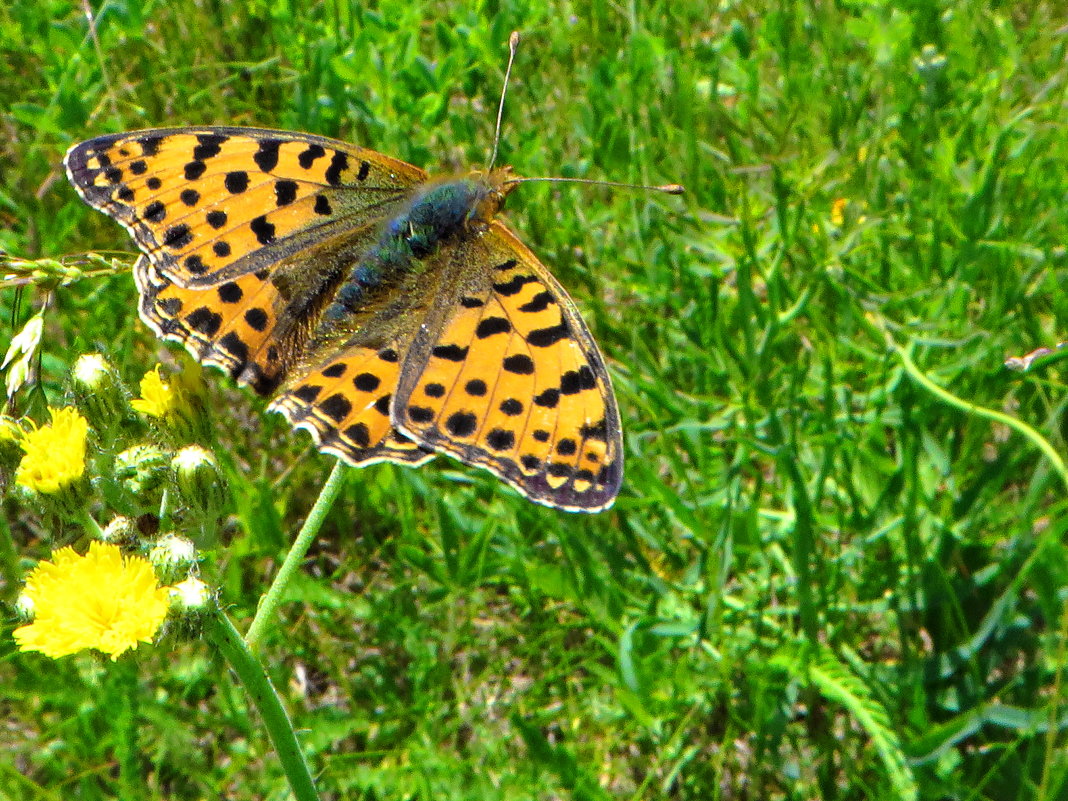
[[435, 216]]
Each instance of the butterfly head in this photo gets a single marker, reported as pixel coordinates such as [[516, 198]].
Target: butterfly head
[[493, 187]]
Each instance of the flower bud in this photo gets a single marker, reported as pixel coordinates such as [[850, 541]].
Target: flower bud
[[25, 609], [142, 470], [172, 557], [191, 596], [21, 353], [98, 392], [199, 482], [120, 531]]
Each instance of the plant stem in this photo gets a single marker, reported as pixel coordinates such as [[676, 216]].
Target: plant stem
[[9, 560], [271, 599], [1019, 426], [254, 679]]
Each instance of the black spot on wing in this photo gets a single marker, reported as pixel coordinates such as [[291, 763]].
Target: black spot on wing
[[285, 192], [514, 285], [257, 319], [266, 157], [338, 164], [420, 414], [359, 434], [461, 424], [154, 212], [336, 407], [544, 337], [307, 392], [177, 236], [366, 382], [452, 353], [149, 145], [209, 145], [230, 292], [308, 157], [336, 370], [233, 345], [492, 325], [519, 363], [263, 229], [236, 182], [205, 321]]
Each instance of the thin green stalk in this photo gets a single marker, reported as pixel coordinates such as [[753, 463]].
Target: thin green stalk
[[254, 679], [1019, 426], [123, 693], [273, 596], [9, 560], [92, 527]]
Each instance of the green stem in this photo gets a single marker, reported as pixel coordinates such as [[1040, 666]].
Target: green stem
[[92, 527], [123, 692], [1019, 426], [254, 679], [273, 597], [165, 510], [9, 560]]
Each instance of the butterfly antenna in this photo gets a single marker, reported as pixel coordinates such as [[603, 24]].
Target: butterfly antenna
[[670, 189], [513, 43]]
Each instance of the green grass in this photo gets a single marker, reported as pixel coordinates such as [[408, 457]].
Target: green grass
[[820, 579]]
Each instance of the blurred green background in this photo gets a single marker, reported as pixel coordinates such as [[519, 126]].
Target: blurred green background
[[819, 581]]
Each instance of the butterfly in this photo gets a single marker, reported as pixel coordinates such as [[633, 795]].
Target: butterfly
[[390, 314]]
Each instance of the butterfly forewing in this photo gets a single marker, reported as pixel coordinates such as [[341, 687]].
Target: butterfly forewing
[[210, 204], [505, 376]]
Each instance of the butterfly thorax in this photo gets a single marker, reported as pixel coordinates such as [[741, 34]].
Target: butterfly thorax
[[438, 213]]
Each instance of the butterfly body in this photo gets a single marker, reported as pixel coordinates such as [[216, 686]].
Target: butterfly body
[[439, 212], [391, 315]]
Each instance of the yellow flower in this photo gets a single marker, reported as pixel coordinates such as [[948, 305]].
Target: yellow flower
[[158, 398], [54, 453], [101, 600], [838, 207]]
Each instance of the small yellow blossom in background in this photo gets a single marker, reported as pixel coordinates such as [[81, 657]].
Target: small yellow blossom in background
[[102, 600], [838, 207], [158, 398], [54, 453]]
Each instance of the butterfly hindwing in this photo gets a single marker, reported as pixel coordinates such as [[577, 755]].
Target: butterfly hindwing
[[344, 403], [230, 326], [507, 377], [207, 205]]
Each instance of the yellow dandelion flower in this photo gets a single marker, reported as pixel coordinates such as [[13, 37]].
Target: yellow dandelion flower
[[158, 398], [102, 600], [54, 453], [838, 207]]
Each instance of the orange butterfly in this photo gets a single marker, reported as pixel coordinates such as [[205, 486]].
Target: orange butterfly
[[393, 313]]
